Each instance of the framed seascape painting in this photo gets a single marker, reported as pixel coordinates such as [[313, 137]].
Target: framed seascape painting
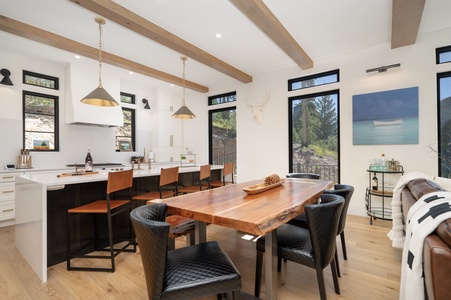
[[385, 118]]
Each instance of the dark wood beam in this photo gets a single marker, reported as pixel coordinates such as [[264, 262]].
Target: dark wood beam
[[264, 19], [406, 19], [138, 24], [45, 37]]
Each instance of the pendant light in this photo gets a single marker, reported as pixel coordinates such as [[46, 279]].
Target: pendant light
[[184, 112], [99, 96]]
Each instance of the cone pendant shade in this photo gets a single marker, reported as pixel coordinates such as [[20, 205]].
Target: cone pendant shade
[[99, 96], [184, 112]]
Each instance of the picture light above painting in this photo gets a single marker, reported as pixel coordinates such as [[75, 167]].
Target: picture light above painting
[[385, 118]]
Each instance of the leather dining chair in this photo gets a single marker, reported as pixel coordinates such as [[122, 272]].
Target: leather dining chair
[[228, 170], [168, 187], [303, 175], [117, 181], [185, 273], [204, 181], [313, 247], [346, 191]]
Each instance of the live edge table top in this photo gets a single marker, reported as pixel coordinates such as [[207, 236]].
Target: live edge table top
[[256, 214]]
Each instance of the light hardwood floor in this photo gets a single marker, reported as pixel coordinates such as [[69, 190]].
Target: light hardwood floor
[[372, 270]]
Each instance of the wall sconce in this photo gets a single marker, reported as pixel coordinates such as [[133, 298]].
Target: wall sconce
[[146, 103], [6, 80], [383, 68]]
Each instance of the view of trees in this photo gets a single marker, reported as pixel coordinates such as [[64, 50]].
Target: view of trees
[[223, 136], [315, 122], [315, 135]]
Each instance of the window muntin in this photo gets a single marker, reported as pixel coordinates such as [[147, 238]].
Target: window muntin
[[443, 55], [314, 80], [223, 98], [127, 98], [40, 80], [444, 123], [126, 132], [40, 122], [314, 134]]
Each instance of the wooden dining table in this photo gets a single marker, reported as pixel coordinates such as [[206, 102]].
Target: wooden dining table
[[257, 214]]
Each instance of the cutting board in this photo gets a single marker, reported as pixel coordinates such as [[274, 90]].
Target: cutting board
[[77, 174]]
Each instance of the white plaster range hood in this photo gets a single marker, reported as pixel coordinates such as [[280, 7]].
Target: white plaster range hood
[[80, 81]]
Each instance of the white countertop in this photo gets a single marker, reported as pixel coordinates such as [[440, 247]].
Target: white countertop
[[50, 178]]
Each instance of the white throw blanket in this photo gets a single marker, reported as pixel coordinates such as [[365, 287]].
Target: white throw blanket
[[396, 234], [423, 218]]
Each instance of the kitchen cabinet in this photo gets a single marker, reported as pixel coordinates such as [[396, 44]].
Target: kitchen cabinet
[[7, 199]]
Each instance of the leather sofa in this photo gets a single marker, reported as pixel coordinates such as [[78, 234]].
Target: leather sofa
[[437, 246]]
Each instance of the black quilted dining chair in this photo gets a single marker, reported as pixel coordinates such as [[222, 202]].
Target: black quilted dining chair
[[313, 247], [185, 273], [346, 191]]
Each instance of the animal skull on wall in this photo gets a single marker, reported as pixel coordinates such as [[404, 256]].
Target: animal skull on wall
[[257, 109]]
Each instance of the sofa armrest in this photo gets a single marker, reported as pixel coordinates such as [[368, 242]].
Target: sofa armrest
[[437, 265]]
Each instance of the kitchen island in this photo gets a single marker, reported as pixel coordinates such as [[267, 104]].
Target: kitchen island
[[42, 200]]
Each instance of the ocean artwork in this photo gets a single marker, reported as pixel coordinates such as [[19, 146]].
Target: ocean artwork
[[385, 118]]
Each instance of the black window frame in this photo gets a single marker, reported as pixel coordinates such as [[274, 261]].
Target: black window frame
[[313, 76], [133, 98], [211, 98], [439, 123], [133, 129], [439, 51], [42, 76], [56, 116], [210, 130], [290, 128]]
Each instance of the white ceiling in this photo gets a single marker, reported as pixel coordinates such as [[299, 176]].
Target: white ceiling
[[323, 28]]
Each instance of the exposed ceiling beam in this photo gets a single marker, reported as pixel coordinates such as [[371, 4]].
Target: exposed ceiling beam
[[138, 24], [406, 18], [264, 19], [45, 37]]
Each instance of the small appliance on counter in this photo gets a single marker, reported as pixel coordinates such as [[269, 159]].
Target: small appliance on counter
[[24, 160]]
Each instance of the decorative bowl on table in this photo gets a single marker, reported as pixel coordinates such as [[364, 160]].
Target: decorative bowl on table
[[261, 187]]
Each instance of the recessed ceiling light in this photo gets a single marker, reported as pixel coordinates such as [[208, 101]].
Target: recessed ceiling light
[[77, 56], [218, 35], [172, 84], [131, 73]]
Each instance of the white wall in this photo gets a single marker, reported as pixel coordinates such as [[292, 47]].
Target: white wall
[[262, 148]]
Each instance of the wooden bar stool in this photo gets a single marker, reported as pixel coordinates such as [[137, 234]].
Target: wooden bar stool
[[179, 226], [117, 181], [169, 177], [228, 170], [204, 175]]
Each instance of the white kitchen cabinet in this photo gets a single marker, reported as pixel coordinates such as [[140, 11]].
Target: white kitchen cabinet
[[7, 199]]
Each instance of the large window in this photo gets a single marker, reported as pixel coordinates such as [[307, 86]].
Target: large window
[[40, 122], [444, 123], [314, 134], [222, 135], [126, 133]]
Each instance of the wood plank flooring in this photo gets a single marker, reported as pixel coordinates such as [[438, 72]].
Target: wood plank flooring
[[372, 270]]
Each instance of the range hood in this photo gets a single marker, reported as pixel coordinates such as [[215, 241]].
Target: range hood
[[80, 80]]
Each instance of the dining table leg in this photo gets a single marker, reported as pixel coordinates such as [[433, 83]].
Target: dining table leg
[[200, 232], [271, 265]]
